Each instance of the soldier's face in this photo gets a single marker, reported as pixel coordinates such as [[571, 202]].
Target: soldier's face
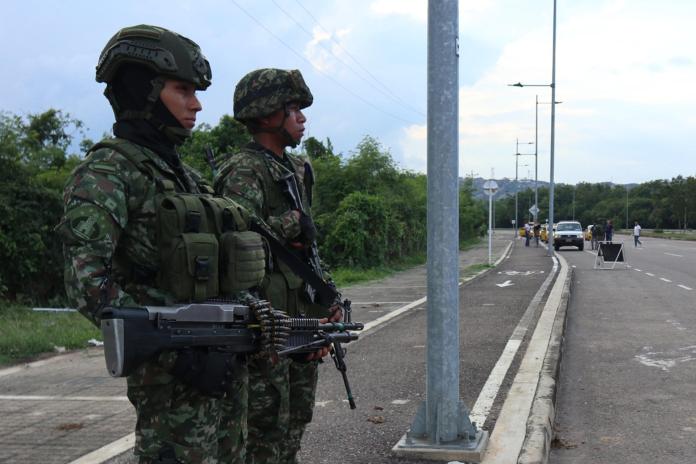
[[180, 99], [294, 123]]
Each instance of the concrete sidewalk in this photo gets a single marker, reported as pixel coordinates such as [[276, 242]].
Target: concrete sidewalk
[[68, 410]]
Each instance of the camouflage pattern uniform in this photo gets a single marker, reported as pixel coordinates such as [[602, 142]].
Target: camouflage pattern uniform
[[281, 393], [110, 246], [111, 251]]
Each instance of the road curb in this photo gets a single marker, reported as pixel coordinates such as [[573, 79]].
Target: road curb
[[540, 424]]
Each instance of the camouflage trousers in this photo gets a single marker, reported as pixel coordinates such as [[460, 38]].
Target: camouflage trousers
[[178, 424], [232, 430], [175, 423], [281, 403]]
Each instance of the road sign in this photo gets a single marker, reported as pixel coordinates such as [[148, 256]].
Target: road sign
[[534, 210], [490, 187]]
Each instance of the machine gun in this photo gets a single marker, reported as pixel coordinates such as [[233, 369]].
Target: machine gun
[[135, 335]]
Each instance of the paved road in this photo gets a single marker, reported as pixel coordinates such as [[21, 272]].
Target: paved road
[[388, 366], [628, 381]]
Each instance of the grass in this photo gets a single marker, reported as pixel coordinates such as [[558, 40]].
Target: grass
[[350, 276], [26, 334], [474, 269]]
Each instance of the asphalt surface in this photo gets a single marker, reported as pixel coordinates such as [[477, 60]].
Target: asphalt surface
[[628, 378], [67, 410]]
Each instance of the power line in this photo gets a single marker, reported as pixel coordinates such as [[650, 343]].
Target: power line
[[384, 90], [359, 97]]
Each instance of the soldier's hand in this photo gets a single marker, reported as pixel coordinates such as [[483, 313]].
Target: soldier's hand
[[336, 313], [320, 353]]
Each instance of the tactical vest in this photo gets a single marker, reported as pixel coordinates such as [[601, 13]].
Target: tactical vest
[[276, 201], [205, 249]]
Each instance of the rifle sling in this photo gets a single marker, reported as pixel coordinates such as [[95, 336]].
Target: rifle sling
[[327, 294]]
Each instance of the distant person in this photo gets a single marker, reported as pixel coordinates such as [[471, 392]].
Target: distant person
[[597, 235], [636, 235], [527, 234], [608, 231], [537, 233]]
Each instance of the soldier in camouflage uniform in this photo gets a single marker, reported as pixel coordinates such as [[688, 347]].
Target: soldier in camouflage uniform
[[281, 393], [109, 231]]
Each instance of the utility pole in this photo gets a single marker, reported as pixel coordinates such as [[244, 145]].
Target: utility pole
[[441, 428]]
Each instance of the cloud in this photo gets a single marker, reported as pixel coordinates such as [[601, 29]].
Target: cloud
[[324, 50], [413, 147], [417, 10], [413, 9]]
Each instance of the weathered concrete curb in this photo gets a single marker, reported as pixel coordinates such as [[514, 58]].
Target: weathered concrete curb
[[540, 424]]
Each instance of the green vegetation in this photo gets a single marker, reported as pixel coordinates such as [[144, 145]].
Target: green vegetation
[[24, 333], [658, 204], [351, 276], [473, 269]]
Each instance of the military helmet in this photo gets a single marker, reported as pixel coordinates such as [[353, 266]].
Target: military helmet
[[165, 52], [263, 91]]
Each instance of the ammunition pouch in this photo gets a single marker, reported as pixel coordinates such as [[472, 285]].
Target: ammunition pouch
[[244, 261], [188, 248], [205, 249]]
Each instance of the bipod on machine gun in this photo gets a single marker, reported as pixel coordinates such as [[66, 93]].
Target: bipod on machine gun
[[135, 335]]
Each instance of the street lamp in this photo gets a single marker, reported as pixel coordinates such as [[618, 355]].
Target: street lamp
[[490, 187], [553, 124], [517, 157]]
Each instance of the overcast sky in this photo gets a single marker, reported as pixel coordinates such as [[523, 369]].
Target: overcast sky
[[626, 74]]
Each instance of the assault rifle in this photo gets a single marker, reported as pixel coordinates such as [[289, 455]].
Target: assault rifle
[[135, 335]]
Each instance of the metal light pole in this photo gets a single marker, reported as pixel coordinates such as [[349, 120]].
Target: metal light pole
[[517, 157], [490, 187], [553, 127], [627, 206], [442, 426], [536, 160]]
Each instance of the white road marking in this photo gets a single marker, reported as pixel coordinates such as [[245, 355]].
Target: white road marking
[[400, 401], [405, 286], [507, 283], [108, 451], [672, 254], [666, 360], [61, 398], [322, 404], [651, 275], [486, 397], [419, 346], [636, 269], [664, 280], [367, 303], [488, 304], [684, 287]]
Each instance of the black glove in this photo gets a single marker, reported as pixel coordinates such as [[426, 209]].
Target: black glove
[[308, 232], [275, 326], [208, 371]]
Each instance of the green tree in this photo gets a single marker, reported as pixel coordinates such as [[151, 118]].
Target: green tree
[[34, 163]]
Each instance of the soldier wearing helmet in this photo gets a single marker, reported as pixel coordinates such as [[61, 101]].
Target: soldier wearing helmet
[[110, 232], [269, 102]]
